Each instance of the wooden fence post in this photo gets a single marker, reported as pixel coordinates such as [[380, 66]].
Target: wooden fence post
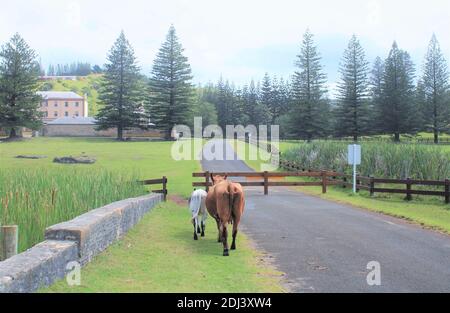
[[358, 182], [9, 241], [207, 180], [408, 189], [324, 181], [447, 191], [165, 187], [344, 179], [266, 183], [371, 186]]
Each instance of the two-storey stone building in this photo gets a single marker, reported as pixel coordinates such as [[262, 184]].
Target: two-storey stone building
[[57, 104]]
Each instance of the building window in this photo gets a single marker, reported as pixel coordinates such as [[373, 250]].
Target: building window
[[66, 113], [66, 104], [56, 104], [55, 114], [77, 104]]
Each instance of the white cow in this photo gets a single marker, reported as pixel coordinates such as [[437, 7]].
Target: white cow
[[198, 210]]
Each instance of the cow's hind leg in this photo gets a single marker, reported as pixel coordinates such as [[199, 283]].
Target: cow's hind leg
[[203, 228], [235, 231], [219, 237], [224, 232], [195, 226]]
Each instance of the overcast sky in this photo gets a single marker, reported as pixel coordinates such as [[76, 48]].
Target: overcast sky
[[238, 39]]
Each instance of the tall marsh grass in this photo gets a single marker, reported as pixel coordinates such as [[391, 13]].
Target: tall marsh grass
[[384, 160], [35, 199]]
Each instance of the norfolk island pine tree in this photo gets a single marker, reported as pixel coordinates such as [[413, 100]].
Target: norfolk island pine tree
[[122, 91], [19, 72], [171, 90]]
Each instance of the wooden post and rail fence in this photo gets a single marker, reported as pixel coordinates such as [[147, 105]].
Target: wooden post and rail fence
[[9, 241], [369, 183], [157, 181], [265, 179], [331, 178]]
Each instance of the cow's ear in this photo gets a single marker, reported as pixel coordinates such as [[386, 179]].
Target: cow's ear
[[225, 177], [212, 177]]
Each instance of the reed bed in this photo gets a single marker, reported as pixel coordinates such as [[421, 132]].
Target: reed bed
[[35, 199], [383, 160]]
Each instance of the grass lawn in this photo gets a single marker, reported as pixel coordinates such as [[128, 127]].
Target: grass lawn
[[160, 255], [147, 159]]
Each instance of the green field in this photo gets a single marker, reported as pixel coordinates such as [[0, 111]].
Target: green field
[[160, 255], [147, 159]]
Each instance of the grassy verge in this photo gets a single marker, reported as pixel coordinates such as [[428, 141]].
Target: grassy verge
[[159, 255]]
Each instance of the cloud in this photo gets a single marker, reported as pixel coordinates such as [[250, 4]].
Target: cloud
[[238, 39]]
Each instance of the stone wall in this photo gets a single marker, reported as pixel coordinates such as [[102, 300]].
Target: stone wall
[[54, 130], [75, 131], [79, 240]]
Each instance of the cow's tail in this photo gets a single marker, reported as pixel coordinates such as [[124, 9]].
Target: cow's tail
[[194, 204], [233, 200]]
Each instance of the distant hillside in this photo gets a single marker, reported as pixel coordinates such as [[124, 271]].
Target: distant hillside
[[88, 85]]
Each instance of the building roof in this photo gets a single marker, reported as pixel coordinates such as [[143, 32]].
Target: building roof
[[75, 120], [59, 95]]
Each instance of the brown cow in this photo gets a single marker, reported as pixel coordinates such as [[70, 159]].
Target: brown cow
[[225, 203]]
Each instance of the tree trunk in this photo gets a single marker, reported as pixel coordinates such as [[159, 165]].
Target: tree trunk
[[355, 138], [168, 135], [397, 137], [436, 136], [13, 133], [119, 133]]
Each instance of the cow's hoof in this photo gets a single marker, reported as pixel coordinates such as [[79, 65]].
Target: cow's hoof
[[233, 247], [195, 238], [225, 252], [203, 235]]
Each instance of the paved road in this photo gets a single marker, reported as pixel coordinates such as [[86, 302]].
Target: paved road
[[325, 247]]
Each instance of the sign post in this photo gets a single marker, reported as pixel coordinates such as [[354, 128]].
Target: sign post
[[354, 158]]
